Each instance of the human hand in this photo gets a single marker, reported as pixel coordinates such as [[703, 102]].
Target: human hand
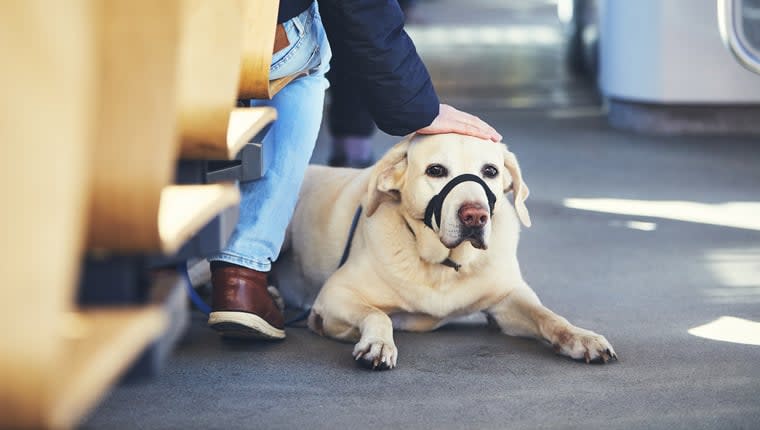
[[450, 120]]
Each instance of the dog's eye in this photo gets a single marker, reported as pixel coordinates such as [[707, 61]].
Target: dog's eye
[[436, 171], [490, 171]]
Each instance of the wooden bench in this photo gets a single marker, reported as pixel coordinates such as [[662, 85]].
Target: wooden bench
[[96, 110], [55, 359], [210, 125], [257, 51], [134, 207]]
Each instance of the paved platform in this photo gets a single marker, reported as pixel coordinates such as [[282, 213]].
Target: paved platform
[[608, 249]]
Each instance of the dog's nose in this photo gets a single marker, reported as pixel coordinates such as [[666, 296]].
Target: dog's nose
[[473, 215]]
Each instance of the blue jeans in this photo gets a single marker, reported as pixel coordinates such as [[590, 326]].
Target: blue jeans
[[267, 204]]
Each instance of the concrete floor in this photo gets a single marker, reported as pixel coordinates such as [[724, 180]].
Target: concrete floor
[[642, 281]]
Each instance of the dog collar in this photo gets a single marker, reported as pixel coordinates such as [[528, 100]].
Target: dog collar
[[435, 205]]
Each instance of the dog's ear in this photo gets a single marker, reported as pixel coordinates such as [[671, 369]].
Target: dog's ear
[[517, 185], [387, 176]]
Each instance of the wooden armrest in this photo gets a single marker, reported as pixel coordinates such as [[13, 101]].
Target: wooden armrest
[[185, 209]]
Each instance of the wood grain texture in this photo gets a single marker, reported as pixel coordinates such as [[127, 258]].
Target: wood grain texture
[[260, 20], [244, 124], [136, 135], [46, 111], [98, 346], [88, 121], [277, 84], [185, 209], [208, 75], [138, 142]]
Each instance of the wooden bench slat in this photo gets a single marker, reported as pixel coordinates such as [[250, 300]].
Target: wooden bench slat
[[241, 126], [136, 139], [208, 74], [244, 124], [99, 346], [185, 209], [260, 18]]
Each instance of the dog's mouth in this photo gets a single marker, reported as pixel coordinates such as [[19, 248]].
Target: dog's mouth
[[474, 235]]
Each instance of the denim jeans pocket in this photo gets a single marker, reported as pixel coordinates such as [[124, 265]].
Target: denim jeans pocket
[[299, 55]]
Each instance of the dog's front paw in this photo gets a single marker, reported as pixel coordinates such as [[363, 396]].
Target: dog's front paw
[[376, 354], [581, 344]]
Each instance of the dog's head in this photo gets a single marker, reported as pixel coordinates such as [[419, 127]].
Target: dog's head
[[438, 168]]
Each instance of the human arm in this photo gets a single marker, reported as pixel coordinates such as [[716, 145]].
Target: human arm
[[368, 39]]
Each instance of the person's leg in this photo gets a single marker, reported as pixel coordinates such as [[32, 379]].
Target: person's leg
[[408, 7], [268, 203], [350, 123], [242, 306]]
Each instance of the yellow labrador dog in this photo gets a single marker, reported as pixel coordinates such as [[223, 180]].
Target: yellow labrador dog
[[436, 240]]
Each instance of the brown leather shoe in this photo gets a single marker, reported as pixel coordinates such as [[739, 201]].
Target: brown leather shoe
[[242, 305]]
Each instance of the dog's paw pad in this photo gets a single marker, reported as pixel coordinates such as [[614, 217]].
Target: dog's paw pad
[[375, 354]]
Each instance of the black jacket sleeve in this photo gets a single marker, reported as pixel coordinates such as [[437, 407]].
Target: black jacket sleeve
[[368, 38]]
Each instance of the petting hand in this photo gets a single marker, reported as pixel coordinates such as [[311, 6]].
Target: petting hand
[[450, 120]]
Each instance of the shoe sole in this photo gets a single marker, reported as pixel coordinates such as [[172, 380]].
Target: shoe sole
[[242, 325]]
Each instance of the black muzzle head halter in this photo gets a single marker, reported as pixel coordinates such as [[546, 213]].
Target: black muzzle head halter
[[435, 206]]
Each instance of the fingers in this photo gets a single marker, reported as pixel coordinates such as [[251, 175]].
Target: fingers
[[450, 120], [478, 124], [477, 127], [471, 124], [492, 133]]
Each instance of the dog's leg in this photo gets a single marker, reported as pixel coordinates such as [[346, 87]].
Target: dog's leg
[[376, 348], [522, 314], [341, 315]]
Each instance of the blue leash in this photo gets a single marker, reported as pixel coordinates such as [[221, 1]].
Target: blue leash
[[194, 297]]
